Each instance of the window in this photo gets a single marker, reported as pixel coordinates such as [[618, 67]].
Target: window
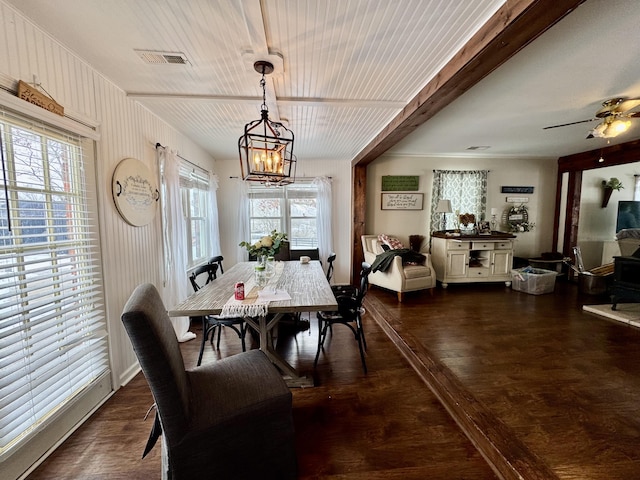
[[467, 191], [291, 209], [53, 340], [194, 190]]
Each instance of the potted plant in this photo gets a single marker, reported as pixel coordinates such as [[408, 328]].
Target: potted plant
[[609, 187]]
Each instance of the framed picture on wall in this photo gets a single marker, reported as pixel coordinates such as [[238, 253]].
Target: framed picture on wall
[[402, 201]]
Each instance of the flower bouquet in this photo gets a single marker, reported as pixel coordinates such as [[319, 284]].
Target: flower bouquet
[[267, 246]]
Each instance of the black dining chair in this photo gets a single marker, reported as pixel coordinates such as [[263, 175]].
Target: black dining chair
[[217, 260], [349, 314], [330, 260], [211, 323]]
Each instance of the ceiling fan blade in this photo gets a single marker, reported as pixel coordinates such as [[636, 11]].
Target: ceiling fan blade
[[609, 107], [627, 105], [617, 106], [567, 124]]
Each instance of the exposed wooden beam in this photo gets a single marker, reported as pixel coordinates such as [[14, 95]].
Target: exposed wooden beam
[[516, 24]]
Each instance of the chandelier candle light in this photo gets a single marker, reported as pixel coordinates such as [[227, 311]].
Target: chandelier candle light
[[266, 147]]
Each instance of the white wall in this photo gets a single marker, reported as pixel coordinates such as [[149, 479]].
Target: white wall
[[539, 173], [596, 224]]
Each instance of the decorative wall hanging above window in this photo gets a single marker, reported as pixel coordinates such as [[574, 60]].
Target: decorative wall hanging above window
[[134, 192], [266, 147]]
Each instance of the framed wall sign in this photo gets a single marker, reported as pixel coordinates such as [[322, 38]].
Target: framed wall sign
[[506, 189], [400, 183], [402, 201]]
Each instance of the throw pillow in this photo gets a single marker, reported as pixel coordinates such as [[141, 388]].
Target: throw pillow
[[392, 242]]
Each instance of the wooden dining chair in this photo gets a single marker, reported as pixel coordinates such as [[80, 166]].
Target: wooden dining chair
[[211, 323], [349, 313]]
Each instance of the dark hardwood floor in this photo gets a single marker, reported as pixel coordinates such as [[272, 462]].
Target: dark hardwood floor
[[542, 388]]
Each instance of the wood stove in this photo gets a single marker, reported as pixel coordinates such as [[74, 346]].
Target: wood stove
[[626, 280]]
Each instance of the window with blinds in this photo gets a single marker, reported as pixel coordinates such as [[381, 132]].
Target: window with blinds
[[53, 340], [194, 189]]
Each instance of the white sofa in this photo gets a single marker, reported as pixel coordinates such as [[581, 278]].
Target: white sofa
[[399, 278]]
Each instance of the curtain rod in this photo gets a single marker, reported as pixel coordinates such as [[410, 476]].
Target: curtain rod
[[158, 145]]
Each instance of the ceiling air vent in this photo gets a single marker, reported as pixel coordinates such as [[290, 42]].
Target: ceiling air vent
[[159, 58]]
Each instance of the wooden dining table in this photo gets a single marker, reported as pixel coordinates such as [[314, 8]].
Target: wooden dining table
[[305, 283]]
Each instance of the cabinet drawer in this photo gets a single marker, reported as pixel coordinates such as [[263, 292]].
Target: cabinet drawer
[[478, 272], [482, 246], [503, 245], [454, 245]]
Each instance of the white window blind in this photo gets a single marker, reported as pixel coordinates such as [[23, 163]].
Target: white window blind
[[53, 343], [194, 188]]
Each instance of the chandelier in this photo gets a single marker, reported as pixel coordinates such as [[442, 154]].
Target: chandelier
[[266, 147]]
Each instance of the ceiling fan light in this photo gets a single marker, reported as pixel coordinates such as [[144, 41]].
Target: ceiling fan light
[[598, 131], [618, 126]]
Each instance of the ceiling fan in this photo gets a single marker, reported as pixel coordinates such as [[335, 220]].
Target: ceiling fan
[[615, 114]]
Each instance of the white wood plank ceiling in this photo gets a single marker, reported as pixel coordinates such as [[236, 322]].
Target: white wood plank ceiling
[[345, 68]]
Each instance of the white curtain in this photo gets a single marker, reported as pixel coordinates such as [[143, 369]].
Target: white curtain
[[174, 232], [242, 232], [214, 238], [636, 187], [323, 218]]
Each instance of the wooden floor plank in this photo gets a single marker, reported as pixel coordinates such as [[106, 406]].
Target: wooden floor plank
[[555, 388], [386, 424], [533, 368]]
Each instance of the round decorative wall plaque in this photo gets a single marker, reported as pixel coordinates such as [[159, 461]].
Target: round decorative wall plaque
[[134, 192]]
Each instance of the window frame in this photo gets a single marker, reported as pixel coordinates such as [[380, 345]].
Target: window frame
[[60, 297], [287, 195], [195, 184]]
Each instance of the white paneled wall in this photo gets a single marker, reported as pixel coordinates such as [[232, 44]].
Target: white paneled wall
[[26, 51], [131, 255]]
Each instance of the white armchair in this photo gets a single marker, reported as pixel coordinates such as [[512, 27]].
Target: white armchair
[[399, 278]]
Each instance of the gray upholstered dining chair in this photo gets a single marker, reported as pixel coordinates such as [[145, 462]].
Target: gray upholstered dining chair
[[227, 419]]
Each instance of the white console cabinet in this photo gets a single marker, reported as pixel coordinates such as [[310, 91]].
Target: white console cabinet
[[472, 258]]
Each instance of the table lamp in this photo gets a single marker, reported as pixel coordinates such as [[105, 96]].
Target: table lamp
[[444, 207], [494, 222]]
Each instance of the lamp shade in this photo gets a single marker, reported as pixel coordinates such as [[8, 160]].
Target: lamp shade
[[444, 206]]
